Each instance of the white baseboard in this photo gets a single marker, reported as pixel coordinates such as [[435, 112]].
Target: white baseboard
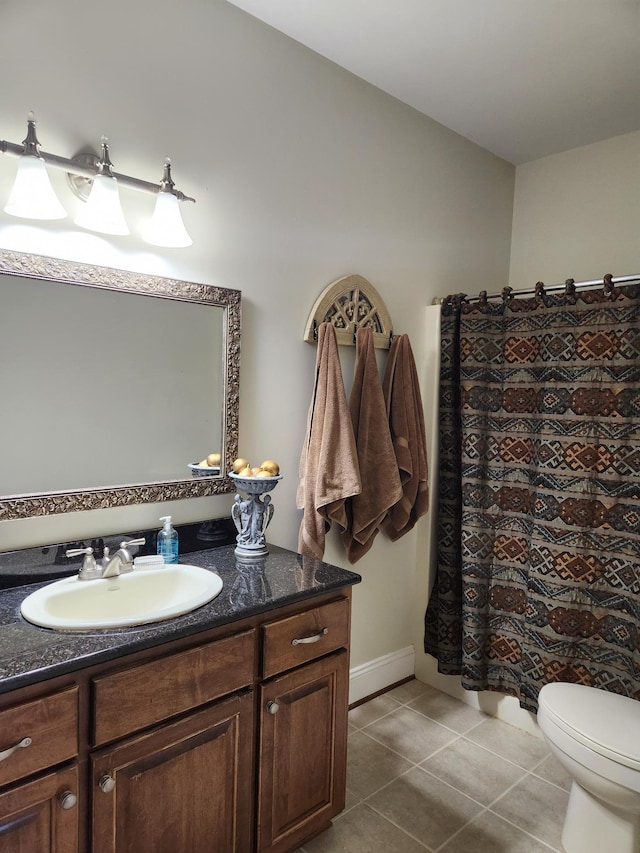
[[375, 675]]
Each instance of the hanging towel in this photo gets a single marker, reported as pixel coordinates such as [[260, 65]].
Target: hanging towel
[[381, 486], [329, 472], [406, 420]]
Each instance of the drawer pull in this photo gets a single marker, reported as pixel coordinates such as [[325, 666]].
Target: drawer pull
[[273, 707], [26, 741], [107, 784], [298, 641], [67, 800]]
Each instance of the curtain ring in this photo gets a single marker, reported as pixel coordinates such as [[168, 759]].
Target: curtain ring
[[455, 300], [540, 295], [482, 297], [570, 290], [506, 294], [608, 284]]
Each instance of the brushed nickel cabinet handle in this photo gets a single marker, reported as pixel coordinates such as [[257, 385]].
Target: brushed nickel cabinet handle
[[297, 641], [6, 753], [107, 784], [273, 707], [67, 800]]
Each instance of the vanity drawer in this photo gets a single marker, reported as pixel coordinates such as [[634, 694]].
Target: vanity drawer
[[139, 696], [305, 636], [52, 724]]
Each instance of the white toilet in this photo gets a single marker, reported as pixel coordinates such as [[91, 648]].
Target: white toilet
[[596, 737]]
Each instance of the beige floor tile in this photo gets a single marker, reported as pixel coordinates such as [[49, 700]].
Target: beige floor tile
[[351, 800], [423, 806], [490, 834], [447, 710], [411, 734], [370, 765], [372, 710], [551, 770], [511, 743], [536, 806], [474, 771], [363, 831], [408, 691]]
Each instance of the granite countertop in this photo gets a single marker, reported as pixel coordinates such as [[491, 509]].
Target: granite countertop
[[30, 654]]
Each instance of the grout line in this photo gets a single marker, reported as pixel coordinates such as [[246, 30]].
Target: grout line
[[526, 831], [402, 829], [404, 757], [419, 714], [464, 826], [503, 757]]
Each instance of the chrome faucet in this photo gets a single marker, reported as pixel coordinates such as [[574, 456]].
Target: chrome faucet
[[121, 562], [110, 566]]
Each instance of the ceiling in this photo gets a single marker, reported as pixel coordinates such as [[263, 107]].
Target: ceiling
[[522, 78]]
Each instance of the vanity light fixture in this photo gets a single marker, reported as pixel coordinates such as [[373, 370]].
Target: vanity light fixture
[[32, 196], [166, 227], [103, 211]]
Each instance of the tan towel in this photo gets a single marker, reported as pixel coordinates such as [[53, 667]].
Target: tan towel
[[381, 486], [406, 419], [329, 471]]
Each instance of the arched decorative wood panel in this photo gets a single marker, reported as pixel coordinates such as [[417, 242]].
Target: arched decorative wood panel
[[349, 304]]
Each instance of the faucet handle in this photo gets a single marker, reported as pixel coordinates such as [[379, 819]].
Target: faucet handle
[[133, 542], [126, 558], [89, 569], [75, 552]]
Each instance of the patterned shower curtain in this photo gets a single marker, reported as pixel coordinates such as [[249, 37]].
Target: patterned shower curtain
[[538, 574]]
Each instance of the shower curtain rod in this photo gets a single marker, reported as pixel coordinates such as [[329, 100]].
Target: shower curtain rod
[[530, 291]]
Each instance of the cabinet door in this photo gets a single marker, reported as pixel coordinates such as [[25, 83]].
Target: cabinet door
[[41, 816], [303, 743], [184, 786]]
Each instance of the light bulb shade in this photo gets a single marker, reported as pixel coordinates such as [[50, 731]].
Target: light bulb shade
[[102, 211], [32, 196], [166, 227]]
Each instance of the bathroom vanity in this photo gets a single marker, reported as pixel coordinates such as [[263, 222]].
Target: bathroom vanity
[[222, 730]]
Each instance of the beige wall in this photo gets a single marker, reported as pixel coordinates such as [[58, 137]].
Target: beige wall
[[303, 173], [576, 214]]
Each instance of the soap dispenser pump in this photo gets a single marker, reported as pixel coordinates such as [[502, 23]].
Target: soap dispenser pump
[[168, 541]]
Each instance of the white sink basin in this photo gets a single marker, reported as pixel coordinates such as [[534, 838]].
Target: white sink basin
[[141, 596]]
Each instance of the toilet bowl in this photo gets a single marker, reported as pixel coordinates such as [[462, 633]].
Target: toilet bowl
[[595, 735]]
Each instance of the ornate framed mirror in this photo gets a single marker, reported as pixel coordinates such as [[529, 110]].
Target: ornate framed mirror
[[112, 384]]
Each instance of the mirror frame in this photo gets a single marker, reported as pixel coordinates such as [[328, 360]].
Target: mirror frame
[[86, 275]]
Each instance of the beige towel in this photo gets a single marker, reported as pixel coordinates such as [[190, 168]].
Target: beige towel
[[406, 419], [381, 486], [329, 471]]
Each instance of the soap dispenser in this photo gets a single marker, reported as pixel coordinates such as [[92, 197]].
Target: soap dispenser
[[168, 541]]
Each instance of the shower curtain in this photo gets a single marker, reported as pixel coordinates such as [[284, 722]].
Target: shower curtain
[[538, 569]]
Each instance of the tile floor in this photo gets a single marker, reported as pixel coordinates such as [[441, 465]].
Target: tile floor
[[427, 772]]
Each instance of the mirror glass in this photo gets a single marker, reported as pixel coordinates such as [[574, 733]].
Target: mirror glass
[[111, 384]]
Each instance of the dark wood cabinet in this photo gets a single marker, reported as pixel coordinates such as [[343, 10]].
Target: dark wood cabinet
[[184, 786], [41, 816], [303, 739]]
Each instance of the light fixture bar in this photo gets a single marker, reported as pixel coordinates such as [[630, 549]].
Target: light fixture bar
[[69, 165]]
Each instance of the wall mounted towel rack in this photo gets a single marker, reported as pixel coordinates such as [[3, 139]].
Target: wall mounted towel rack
[[349, 304]]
